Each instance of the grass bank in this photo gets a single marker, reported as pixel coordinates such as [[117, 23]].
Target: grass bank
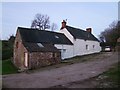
[[8, 67], [0, 67]]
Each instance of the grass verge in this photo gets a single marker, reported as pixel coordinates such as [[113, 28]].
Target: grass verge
[[8, 67], [110, 78], [0, 67]]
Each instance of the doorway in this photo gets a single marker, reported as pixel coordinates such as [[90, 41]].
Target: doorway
[[26, 59]]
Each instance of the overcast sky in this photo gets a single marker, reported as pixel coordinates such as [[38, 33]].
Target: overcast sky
[[97, 15]]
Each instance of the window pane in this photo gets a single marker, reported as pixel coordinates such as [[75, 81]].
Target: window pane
[[86, 47]]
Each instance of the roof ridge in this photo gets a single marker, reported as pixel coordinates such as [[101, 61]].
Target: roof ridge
[[35, 35], [38, 30], [81, 34], [76, 28]]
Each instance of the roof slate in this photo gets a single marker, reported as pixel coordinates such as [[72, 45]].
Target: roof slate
[[43, 36], [81, 34], [33, 47]]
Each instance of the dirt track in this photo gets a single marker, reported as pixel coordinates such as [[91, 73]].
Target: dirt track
[[62, 75]]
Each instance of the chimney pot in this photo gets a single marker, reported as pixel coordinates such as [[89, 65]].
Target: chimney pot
[[63, 24], [89, 30]]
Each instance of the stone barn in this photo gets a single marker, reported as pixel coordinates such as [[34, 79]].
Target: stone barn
[[35, 48]]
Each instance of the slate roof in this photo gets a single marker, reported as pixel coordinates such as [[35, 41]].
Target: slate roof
[[81, 34], [33, 47], [43, 36]]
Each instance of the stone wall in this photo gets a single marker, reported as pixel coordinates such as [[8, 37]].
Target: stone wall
[[39, 59], [19, 51]]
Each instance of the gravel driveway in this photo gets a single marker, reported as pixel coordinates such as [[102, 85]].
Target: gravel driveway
[[62, 75]]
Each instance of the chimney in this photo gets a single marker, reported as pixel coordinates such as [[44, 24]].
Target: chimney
[[89, 30], [63, 24]]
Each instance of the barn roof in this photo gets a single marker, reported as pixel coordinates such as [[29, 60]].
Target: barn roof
[[34, 47], [42, 36], [81, 34]]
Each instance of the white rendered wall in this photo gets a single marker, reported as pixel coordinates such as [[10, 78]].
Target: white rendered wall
[[80, 47]]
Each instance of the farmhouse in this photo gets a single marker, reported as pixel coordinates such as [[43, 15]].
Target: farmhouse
[[34, 48], [84, 42]]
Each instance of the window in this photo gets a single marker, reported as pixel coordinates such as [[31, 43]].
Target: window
[[40, 45], [86, 47], [16, 44], [93, 46], [64, 50]]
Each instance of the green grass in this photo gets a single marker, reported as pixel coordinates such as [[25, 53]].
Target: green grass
[[8, 67], [0, 57], [113, 74], [7, 50], [0, 67]]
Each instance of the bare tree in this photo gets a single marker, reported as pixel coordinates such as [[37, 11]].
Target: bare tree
[[54, 26], [41, 22], [11, 38], [111, 34]]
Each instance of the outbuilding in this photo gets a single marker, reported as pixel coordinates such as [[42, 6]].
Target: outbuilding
[[35, 48]]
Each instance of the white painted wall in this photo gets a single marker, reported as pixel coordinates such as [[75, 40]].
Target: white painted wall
[[80, 47]]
